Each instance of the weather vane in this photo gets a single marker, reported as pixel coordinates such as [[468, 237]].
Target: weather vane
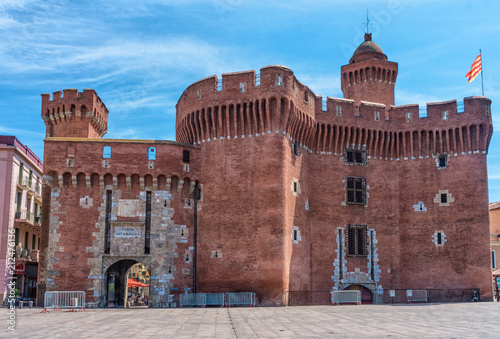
[[368, 23]]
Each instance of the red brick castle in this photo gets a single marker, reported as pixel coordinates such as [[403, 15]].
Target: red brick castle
[[269, 188]]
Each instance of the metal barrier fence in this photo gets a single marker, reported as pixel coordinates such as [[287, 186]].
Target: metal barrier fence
[[241, 298], [416, 295], [193, 299], [57, 300], [399, 296], [346, 297], [305, 298], [215, 299]]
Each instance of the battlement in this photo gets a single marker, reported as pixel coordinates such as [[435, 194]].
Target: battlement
[[70, 113]]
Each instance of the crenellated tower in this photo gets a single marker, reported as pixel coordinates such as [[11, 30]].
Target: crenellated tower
[[369, 76], [75, 114]]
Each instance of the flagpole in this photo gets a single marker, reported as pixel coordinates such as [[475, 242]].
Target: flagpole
[[482, 83]]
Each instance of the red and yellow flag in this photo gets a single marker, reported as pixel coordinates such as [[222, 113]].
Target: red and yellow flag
[[475, 69]]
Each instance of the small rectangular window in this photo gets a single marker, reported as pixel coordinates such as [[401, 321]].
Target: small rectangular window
[[242, 87], [439, 238], [198, 94], [444, 198], [493, 260], [442, 161], [377, 116], [339, 111], [279, 80], [296, 148], [445, 115], [152, 153], [106, 152], [408, 117], [355, 191], [295, 235], [185, 156], [357, 240], [295, 186]]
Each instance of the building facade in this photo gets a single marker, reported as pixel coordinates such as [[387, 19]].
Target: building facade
[[21, 201], [269, 188]]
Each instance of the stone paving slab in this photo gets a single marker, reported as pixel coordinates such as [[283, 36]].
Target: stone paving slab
[[461, 320]]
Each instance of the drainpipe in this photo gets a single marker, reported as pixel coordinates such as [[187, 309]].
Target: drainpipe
[[196, 197]]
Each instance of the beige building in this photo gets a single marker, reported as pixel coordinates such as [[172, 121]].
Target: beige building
[[20, 204], [495, 240]]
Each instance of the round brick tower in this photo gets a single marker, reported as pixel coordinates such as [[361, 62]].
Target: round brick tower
[[369, 76]]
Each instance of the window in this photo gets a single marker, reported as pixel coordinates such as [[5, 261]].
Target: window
[[439, 238], [487, 109], [242, 87], [357, 240], [295, 186], [493, 261], [152, 153], [442, 161], [339, 111], [106, 152], [355, 191], [198, 95], [279, 80], [445, 115], [408, 117], [354, 157], [185, 156], [444, 198], [296, 148], [377, 116], [33, 241], [295, 235]]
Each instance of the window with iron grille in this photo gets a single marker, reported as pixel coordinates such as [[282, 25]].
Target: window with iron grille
[[442, 161], [296, 148], [354, 157], [357, 239], [355, 191]]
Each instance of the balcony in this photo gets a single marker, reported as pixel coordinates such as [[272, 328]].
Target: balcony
[[27, 254], [25, 183], [25, 217]]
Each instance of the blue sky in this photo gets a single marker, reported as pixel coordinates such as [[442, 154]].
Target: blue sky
[[140, 55]]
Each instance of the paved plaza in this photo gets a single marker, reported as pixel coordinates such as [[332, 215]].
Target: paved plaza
[[461, 320]]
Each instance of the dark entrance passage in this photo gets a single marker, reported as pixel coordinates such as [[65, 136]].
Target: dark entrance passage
[[116, 287], [366, 294]]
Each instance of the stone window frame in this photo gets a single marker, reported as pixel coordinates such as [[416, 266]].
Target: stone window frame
[[198, 94], [243, 86], [356, 191], [444, 198], [377, 115], [338, 110], [442, 161], [354, 157], [279, 80], [439, 238], [408, 117], [445, 115], [357, 240], [295, 187], [296, 237]]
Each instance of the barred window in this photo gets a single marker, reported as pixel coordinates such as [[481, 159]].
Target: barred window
[[357, 239], [354, 157], [355, 191]]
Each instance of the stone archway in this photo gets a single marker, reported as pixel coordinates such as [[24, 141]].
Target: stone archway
[[116, 282]]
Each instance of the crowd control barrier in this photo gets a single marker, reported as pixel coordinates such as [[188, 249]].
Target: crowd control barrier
[[346, 297], [416, 295], [58, 300], [193, 299], [215, 299], [241, 298]]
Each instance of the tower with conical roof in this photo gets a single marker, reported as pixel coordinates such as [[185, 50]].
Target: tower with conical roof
[[369, 76]]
